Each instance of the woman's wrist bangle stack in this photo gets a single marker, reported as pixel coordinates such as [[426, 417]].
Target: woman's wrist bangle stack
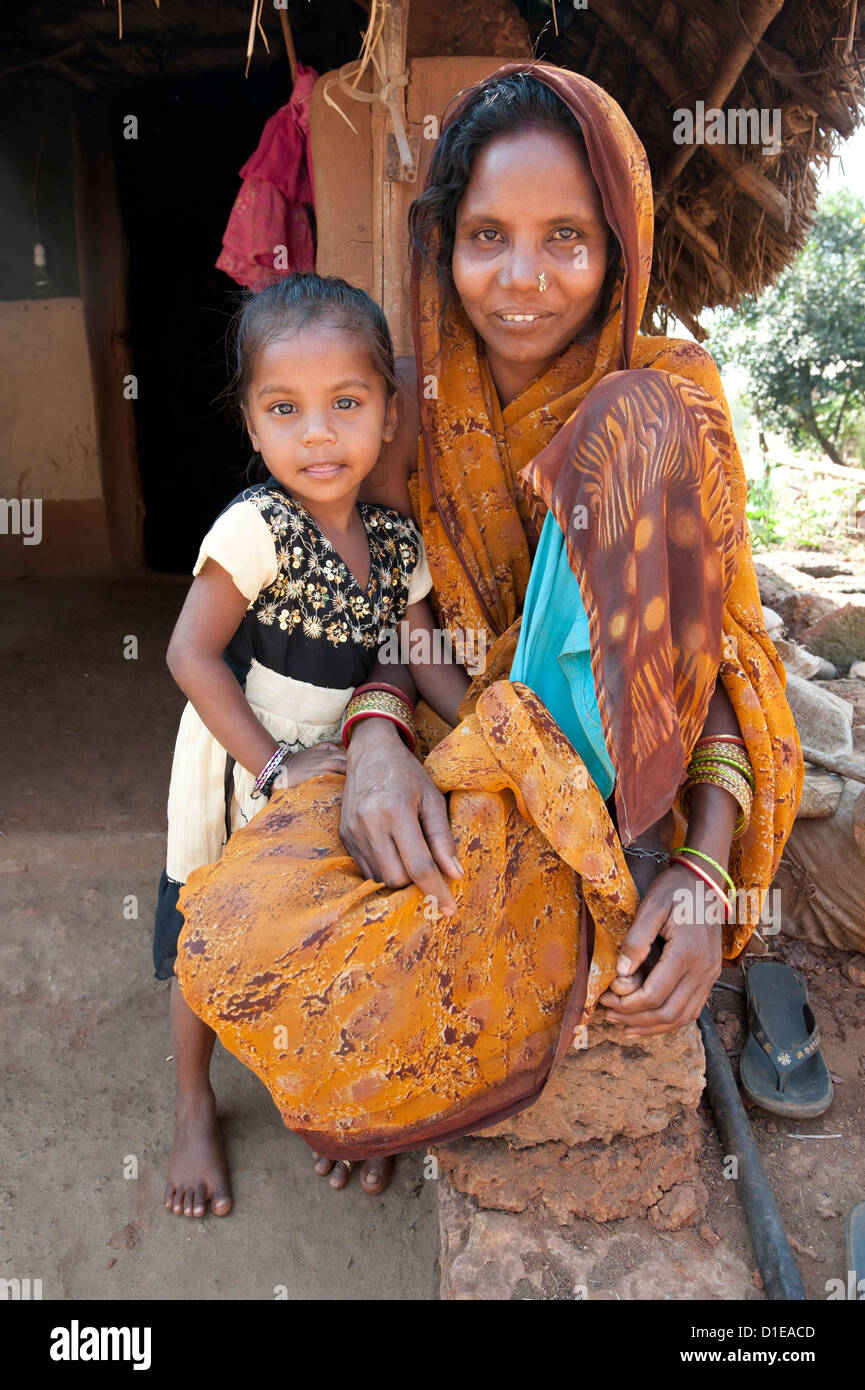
[[679, 857], [379, 700], [267, 776], [721, 760]]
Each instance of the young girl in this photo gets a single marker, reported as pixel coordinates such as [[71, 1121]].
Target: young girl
[[295, 582]]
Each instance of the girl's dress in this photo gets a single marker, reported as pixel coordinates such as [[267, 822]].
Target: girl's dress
[[311, 634]]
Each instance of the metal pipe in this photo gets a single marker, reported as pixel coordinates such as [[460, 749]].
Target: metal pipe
[[778, 1268]]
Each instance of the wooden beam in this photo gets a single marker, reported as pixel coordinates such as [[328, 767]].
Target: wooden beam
[[387, 205], [777, 64], [664, 28], [781, 66], [645, 45], [754, 24], [654, 57], [698, 239]]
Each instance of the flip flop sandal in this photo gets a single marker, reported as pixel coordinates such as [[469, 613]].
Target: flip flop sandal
[[782, 1068], [854, 1242]]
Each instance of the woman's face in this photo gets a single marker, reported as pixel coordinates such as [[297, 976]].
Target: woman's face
[[531, 208]]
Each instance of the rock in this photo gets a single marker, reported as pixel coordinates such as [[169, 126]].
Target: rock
[[821, 792], [709, 1236], [600, 1180], [729, 1030], [800, 1248], [607, 1089], [859, 738], [797, 956], [857, 670], [482, 1254], [823, 719], [698, 1273], [854, 969], [677, 1208], [801, 610], [757, 1279], [825, 1207], [796, 660], [827, 671], [839, 636], [498, 1256], [853, 691]]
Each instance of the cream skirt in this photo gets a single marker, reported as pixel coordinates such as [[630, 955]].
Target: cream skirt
[[197, 794]]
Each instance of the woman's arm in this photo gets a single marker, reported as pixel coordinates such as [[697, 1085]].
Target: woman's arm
[[394, 820], [211, 615], [678, 985], [441, 683]]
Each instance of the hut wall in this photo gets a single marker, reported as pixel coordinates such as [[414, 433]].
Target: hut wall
[[348, 204], [49, 442], [50, 450]]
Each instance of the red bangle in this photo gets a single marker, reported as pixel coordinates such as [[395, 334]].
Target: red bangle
[[377, 714], [728, 906], [382, 685]]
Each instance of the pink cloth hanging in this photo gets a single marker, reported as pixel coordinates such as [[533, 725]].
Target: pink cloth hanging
[[272, 209]]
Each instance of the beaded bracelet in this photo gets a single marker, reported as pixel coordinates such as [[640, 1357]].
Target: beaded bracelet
[[695, 869], [266, 777]]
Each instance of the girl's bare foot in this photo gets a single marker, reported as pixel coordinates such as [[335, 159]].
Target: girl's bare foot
[[197, 1171], [374, 1175]]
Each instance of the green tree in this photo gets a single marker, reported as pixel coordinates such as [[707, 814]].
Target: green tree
[[802, 343]]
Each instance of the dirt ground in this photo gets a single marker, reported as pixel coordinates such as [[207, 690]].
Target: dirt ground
[[87, 737]]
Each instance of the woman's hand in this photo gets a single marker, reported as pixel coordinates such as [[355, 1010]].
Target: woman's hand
[[394, 819], [678, 985], [309, 762]]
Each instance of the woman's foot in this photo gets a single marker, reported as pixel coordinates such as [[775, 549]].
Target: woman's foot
[[197, 1171], [374, 1175]]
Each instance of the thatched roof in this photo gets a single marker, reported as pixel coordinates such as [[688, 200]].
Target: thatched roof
[[729, 218]]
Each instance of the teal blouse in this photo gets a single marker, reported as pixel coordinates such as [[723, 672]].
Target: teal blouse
[[553, 654]]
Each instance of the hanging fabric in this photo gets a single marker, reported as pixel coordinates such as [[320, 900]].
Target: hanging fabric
[[270, 229]]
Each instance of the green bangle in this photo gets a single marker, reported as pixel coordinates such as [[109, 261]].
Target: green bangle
[[686, 849], [699, 763]]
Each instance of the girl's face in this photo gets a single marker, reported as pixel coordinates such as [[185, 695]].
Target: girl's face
[[531, 207], [317, 411]]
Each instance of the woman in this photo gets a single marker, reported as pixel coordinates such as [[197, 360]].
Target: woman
[[581, 499]]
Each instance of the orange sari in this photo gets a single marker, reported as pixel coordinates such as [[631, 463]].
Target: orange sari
[[376, 1024]]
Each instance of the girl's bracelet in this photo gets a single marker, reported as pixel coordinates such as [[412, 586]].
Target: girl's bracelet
[[267, 776]]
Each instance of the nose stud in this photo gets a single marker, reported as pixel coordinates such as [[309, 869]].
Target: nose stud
[[542, 281]]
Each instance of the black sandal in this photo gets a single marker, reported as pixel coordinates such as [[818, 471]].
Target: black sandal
[[782, 1068]]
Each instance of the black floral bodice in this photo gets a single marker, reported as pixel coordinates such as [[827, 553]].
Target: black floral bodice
[[314, 621]]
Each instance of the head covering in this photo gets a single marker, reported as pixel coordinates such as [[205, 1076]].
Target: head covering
[[492, 588], [487, 474]]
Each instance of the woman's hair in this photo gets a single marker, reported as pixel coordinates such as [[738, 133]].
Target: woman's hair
[[507, 106], [288, 305]]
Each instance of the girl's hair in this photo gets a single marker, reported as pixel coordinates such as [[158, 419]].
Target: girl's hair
[[508, 106], [288, 305]]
